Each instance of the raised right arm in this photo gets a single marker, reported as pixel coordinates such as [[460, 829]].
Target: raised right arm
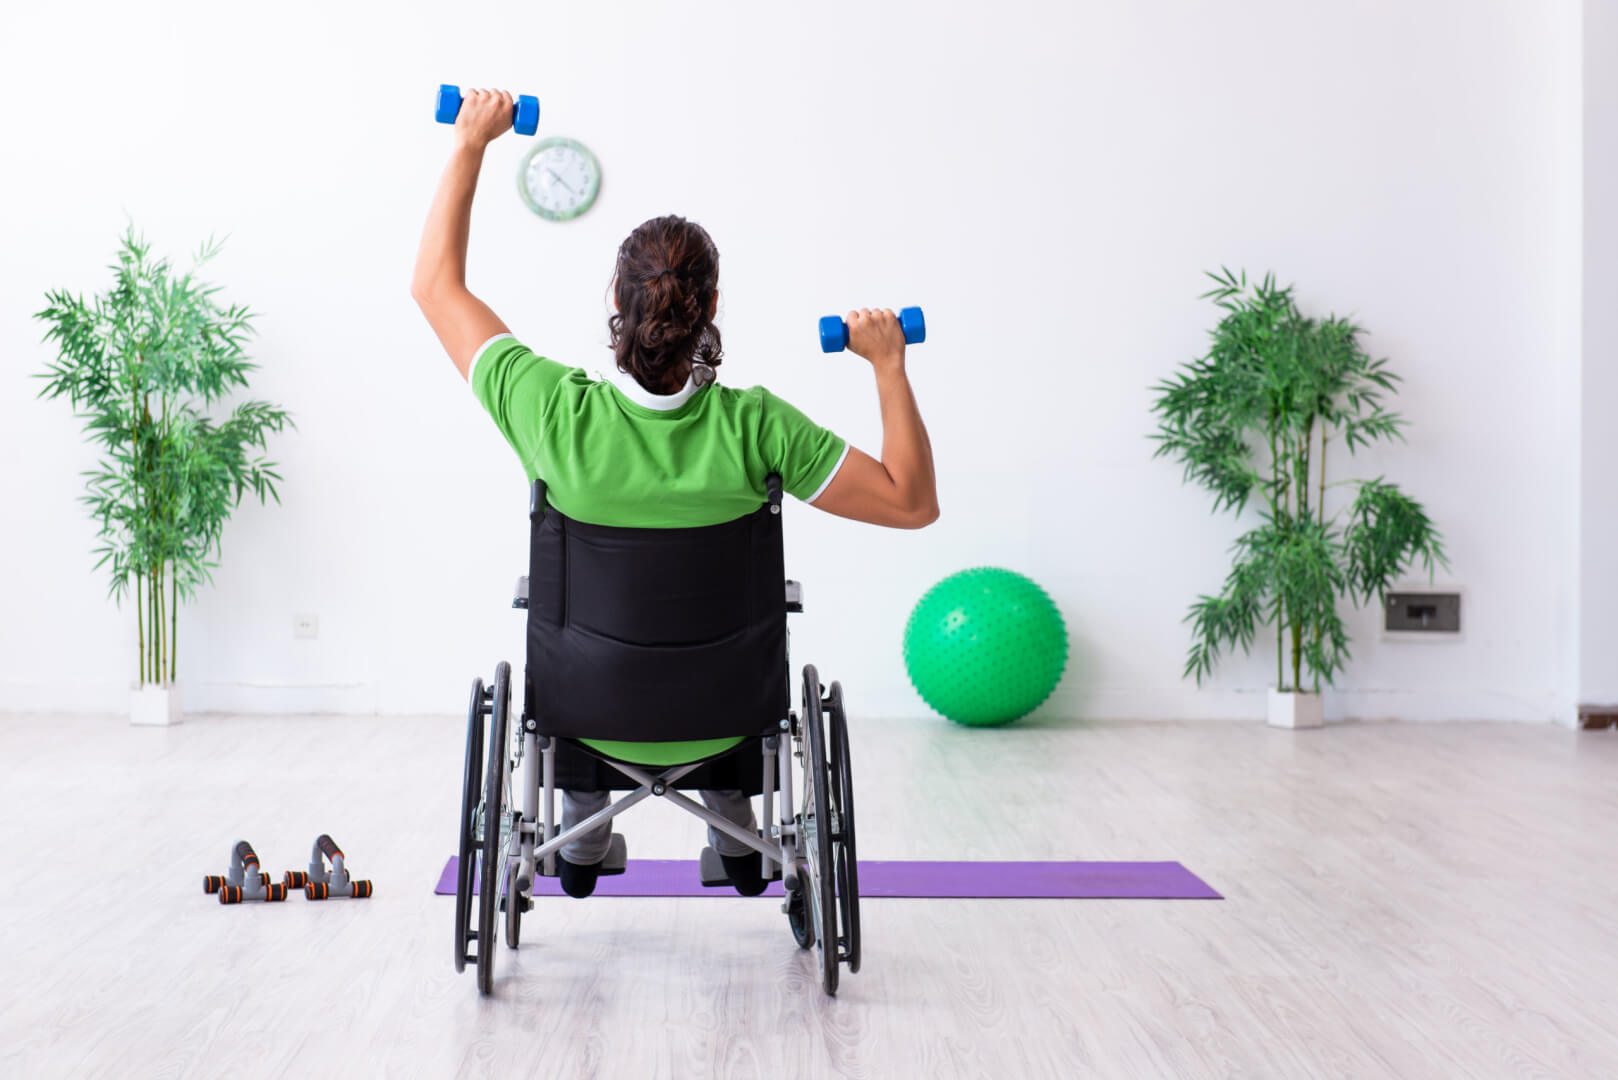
[[900, 491]]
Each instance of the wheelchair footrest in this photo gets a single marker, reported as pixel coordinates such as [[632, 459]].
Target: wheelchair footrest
[[617, 855], [712, 869]]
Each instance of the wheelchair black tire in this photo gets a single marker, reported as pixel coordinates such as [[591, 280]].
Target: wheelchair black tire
[[798, 917], [492, 871], [470, 794], [823, 873], [846, 857]]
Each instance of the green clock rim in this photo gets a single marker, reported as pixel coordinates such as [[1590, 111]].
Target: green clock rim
[[569, 144]]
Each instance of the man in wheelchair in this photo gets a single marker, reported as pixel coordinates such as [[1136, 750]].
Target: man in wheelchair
[[656, 595]]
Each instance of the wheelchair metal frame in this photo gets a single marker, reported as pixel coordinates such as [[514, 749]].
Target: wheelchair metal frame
[[821, 886], [539, 805]]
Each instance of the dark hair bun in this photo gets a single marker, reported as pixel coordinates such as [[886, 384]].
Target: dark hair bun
[[666, 280]]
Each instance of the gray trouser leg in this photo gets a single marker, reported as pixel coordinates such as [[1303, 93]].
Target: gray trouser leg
[[592, 847], [735, 807]]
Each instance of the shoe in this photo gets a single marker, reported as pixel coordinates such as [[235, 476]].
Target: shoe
[[743, 871], [578, 881]]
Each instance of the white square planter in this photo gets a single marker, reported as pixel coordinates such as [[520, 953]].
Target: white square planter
[[1289, 709], [154, 705]]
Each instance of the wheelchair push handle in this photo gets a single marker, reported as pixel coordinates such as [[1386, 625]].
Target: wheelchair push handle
[[772, 487]]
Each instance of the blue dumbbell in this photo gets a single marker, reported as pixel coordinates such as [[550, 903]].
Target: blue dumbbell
[[524, 114], [834, 331]]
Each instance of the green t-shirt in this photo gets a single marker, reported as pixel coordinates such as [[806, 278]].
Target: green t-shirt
[[611, 453]]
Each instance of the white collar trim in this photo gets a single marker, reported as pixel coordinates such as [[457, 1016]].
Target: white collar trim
[[637, 393]]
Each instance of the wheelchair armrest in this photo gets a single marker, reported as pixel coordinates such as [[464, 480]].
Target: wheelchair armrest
[[520, 599], [794, 596]]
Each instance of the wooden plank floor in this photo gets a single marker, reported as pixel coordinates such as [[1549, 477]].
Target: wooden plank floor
[[1403, 901]]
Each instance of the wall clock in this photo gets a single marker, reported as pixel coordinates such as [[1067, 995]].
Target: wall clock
[[559, 179]]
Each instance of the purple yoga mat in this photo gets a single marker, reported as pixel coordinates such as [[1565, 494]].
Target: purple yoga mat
[[939, 880]]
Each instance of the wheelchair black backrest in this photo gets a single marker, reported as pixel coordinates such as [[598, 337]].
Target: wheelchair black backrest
[[654, 635]]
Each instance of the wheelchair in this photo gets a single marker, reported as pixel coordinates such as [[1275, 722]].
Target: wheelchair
[[657, 660]]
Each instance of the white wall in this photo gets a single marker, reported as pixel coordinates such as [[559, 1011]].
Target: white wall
[[1048, 179], [1598, 504]]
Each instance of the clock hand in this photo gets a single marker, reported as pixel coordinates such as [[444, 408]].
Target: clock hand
[[559, 180]]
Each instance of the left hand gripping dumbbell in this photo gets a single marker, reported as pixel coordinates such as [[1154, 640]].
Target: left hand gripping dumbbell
[[524, 113], [834, 331], [244, 880], [319, 883]]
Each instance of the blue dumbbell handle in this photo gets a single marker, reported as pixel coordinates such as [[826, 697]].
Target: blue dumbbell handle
[[526, 107], [834, 331]]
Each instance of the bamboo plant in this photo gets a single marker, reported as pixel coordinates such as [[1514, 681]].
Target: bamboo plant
[[1262, 414], [144, 365]]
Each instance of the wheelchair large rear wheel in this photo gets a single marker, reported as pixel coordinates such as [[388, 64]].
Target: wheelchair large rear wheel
[[471, 796], [816, 829], [496, 822], [844, 853]]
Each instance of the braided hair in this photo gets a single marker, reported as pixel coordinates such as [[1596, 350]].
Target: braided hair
[[665, 281]]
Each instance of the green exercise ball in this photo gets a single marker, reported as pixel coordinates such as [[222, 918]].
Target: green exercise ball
[[985, 646]]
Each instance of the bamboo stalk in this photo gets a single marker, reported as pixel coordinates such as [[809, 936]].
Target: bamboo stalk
[[1320, 628], [140, 607], [140, 631], [174, 622], [1322, 507], [160, 516], [1280, 604]]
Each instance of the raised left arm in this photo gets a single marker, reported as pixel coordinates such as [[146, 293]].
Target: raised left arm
[[461, 321]]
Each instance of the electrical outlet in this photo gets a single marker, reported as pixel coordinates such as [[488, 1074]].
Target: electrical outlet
[[1411, 613], [306, 626]]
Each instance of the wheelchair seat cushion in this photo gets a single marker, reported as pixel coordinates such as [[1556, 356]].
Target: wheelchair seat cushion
[[662, 754]]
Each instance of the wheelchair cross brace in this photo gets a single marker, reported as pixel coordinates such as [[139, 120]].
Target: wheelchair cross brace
[[536, 821]]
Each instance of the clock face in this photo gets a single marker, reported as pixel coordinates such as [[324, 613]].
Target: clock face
[[559, 179]]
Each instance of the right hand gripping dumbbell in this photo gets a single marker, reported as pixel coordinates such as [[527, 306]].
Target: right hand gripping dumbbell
[[524, 112], [834, 331], [321, 884], [244, 880]]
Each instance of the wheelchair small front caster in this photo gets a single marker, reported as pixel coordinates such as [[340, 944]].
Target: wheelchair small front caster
[[515, 905], [803, 927]]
